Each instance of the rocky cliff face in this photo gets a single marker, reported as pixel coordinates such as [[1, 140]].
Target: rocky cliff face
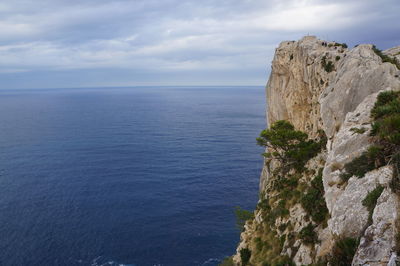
[[318, 85]]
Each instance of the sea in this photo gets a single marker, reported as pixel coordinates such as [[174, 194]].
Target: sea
[[127, 176]]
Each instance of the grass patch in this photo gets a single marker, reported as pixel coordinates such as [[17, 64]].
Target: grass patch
[[343, 251], [284, 261], [279, 211], [387, 103], [386, 114], [395, 183], [313, 201], [367, 161], [282, 227], [386, 131], [356, 130], [386, 58], [242, 216], [228, 261], [308, 235], [370, 200]]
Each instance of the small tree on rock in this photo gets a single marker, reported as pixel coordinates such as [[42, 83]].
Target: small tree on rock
[[289, 146]]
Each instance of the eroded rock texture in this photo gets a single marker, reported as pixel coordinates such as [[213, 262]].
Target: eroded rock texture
[[336, 99]]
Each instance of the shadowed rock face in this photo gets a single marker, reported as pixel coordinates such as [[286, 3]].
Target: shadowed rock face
[[335, 99]]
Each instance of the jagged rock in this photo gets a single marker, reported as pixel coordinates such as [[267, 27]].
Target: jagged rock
[[349, 216], [338, 100], [378, 241], [345, 147], [395, 51], [295, 84], [303, 255], [360, 74]]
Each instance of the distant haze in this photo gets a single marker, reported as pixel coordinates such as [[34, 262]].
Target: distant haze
[[71, 43]]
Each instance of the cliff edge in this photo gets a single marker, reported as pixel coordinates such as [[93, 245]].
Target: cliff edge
[[316, 216]]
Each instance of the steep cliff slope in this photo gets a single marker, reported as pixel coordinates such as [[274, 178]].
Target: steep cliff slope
[[316, 216]]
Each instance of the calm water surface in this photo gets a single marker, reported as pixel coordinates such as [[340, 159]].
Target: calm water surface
[[136, 176]]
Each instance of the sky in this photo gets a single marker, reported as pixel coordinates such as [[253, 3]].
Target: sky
[[105, 43]]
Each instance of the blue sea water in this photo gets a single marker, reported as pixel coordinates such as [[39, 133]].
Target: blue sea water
[[132, 176]]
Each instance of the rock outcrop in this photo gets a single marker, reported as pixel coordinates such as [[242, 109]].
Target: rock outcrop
[[318, 85]]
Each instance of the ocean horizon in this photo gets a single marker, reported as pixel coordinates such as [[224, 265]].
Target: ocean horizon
[[145, 175]]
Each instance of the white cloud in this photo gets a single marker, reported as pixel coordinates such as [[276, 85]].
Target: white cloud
[[169, 35], [15, 29]]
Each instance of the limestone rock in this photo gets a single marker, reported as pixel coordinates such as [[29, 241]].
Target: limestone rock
[[345, 147], [349, 216], [303, 255], [338, 100], [395, 51], [378, 241], [297, 79], [360, 74]]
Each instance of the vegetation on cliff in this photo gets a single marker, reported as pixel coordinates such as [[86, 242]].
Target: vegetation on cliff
[[290, 147], [242, 216], [386, 58], [370, 200], [318, 84], [385, 134], [313, 201], [292, 184], [343, 251], [327, 66]]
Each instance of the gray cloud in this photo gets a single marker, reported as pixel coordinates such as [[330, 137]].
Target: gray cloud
[[60, 43]]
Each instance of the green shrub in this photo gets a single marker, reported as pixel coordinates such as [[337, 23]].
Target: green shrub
[[337, 58], [370, 200], [358, 130], [386, 58], [386, 131], [367, 161], [387, 103], [279, 211], [343, 251], [313, 201], [308, 235], [328, 66], [344, 45], [282, 227], [282, 240], [395, 182], [242, 216], [259, 243], [386, 106], [228, 261], [284, 261], [245, 255], [289, 146], [263, 205], [283, 182]]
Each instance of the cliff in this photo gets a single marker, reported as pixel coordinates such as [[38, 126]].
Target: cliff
[[325, 87]]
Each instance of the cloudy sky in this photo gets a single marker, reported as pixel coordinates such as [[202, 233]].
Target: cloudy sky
[[89, 43]]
